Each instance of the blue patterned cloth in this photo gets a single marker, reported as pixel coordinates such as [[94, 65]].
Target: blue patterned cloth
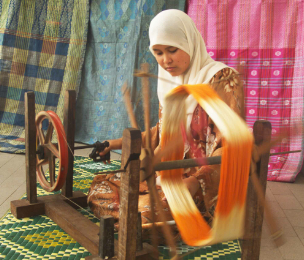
[[118, 43], [42, 46]]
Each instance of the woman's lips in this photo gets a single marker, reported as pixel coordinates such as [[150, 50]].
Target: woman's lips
[[170, 68]]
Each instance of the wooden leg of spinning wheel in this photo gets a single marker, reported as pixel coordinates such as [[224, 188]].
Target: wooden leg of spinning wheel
[[139, 245], [129, 191], [165, 227], [69, 128], [275, 231], [30, 147], [255, 211], [150, 183], [106, 237]]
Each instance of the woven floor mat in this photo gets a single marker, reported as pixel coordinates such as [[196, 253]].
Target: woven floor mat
[[40, 238]]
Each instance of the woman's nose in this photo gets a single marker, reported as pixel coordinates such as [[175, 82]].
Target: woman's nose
[[167, 59]]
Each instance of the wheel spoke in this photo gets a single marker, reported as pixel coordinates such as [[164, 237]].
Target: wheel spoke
[[51, 159], [40, 134], [42, 162], [49, 133], [53, 149]]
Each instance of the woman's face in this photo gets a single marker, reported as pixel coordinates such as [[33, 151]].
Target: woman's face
[[171, 59]]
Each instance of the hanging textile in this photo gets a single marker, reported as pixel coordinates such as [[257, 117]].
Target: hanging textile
[[118, 43], [265, 39], [42, 46]]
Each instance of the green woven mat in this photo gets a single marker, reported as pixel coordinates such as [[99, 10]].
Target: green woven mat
[[41, 238]]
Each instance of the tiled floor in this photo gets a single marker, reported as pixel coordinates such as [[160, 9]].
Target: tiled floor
[[286, 201]]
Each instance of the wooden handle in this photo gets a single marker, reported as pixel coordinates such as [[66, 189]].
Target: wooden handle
[[146, 99], [127, 98]]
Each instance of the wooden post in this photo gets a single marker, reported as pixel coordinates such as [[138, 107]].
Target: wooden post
[[30, 147], [129, 191], [106, 237], [69, 128], [254, 211], [139, 245]]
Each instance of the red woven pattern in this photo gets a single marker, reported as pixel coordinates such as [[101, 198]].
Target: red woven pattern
[[267, 41]]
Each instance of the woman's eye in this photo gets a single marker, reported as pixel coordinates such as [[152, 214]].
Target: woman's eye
[[172, 51], [159, 53]]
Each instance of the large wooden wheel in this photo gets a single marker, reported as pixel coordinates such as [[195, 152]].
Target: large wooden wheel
[[49, 153]]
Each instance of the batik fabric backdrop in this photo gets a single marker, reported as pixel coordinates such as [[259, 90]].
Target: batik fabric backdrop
[[42, 45], [118, 43], [265, 38]]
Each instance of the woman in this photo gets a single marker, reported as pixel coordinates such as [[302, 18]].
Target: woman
[[182, 57]]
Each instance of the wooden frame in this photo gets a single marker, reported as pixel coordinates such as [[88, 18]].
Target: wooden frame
[[251, 243], [62, 211], [61, 208], [32, 206]]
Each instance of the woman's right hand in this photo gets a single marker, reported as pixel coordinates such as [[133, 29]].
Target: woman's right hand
[[115, 144], [105, 151], [157, 180]]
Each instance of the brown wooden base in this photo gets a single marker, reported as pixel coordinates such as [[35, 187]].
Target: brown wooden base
[[79, 227], [144, 254], [63, 213], [24, 209]]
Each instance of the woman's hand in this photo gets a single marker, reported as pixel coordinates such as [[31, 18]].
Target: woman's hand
[[191, 183], [115, 144], [105, 151], [157, 181]]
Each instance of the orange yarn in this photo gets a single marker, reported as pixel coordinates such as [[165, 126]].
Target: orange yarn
[[236, 157]]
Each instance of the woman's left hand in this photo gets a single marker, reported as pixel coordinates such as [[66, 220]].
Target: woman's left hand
[[192, 185]]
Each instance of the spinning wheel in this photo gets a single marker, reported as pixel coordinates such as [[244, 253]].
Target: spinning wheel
[[48, 152], [148, 161], [70, 220]]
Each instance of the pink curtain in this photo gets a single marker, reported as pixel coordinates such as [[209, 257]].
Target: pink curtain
[[266, 39]]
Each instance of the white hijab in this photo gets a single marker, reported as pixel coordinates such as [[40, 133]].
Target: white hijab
[[175, 28]]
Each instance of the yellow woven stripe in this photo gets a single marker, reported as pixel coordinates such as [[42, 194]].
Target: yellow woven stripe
[[75, 50], [41, 86], [4, 14], [34, 36], [38, 108], [73, 62], [53, 18], [11, 107], [15, 81], [46, 60], [79, 20], [61, 238], [20, 55], [8, 127], [26, 16], [69, 83], [70, 77]]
